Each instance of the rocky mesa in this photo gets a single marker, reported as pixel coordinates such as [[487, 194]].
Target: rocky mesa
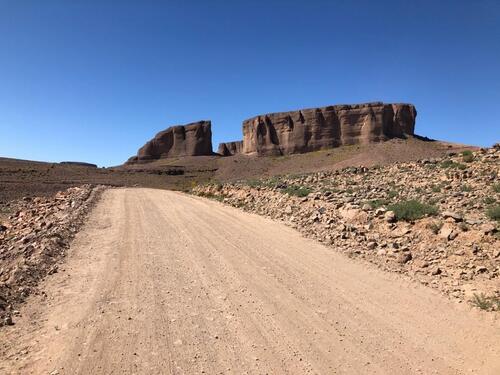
[[314, 129], [284, 133], [193, 139]]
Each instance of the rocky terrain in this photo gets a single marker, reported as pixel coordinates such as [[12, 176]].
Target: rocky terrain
[[193, 139], [33, 240], [435, 220], [321, 128]]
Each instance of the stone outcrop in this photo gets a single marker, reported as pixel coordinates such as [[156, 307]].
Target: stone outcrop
[[321, 128], [230, 148], [193, 139]]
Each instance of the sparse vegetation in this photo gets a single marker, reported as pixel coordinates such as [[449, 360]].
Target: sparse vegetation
[[450, 164], [494, 212], [392, 194], [466, 188], [467, 156], [496, 188], [435, 226], [412, 210], [297, 191], [485, 302], [436, 188], [377, 203], [489, 200]]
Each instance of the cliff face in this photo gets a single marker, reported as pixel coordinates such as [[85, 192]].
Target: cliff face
[[230, 148], [194, 139], [320, 128]]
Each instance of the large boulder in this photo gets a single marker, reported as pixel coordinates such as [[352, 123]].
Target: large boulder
[[193, 139], [321, 128], [230, 148]]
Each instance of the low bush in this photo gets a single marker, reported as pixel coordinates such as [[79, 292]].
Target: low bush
[[489, 200], [467, 156], [451, 164], [435, 227], [485, 302], [412, 210], [377, 203], [297, 191], [466, 188], [494, 212]]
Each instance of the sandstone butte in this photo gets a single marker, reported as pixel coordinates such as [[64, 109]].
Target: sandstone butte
[[285, 133], [193, 139]]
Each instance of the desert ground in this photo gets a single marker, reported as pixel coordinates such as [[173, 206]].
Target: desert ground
[[162, 282]]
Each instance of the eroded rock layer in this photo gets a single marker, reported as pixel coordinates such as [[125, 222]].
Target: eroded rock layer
[[194, 139], [230, 148], [321, 128]]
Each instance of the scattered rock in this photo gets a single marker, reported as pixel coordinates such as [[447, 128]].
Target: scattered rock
[[390, 216], [36, 238], [453, 215]]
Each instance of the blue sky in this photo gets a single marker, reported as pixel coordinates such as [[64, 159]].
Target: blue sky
[[93, 80]]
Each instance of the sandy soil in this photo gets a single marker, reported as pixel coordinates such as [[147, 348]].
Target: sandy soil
[[160, 282]]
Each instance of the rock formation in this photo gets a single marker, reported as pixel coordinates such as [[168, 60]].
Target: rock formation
[[230, 148], [292, 132], [320, 128], [194, 139]]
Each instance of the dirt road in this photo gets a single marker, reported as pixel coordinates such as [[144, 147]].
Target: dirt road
[[159, 282]]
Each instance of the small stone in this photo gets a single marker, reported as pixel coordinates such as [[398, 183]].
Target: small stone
[[404, 258], [8, 320], [446, 232], [436, 271], [366, 207], [371, 245], [453, 215], [488, 228], [390, 216], [481, 269]]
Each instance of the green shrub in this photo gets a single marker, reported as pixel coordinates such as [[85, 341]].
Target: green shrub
[[489, 200], [467, 156], [496, 188], [436, 188], [392, 194], [485, 302], [376, 203], [435, 227], [451, 164], [412, 210], [494, 212], [297, 191], [466, 188]]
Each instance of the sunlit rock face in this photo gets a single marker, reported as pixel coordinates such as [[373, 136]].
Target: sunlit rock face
[[314, 129], [193, 139]]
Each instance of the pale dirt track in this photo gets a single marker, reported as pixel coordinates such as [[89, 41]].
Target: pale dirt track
[[163, 283]]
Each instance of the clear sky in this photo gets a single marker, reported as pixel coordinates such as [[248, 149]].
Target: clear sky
[[93, 80]]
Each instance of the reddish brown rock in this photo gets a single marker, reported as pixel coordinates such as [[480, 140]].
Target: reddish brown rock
[[230, 148], [321, 128], [194, 139]]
